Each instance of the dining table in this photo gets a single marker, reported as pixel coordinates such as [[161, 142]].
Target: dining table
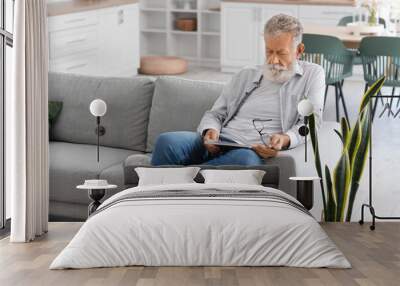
[[350, 40]]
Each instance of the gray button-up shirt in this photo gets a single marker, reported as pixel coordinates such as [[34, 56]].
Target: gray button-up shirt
[[308, 82]]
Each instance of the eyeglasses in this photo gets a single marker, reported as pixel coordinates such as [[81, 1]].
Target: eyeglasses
[[259, 127]]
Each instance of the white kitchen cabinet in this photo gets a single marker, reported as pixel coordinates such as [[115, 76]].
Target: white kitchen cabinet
[[83, 63], [72, 20], [323, 15], [72, 41], [119, 41], [102, 42], [242, 26], [240, 35]]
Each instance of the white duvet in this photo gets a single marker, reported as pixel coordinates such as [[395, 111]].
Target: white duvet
[[200, 231]]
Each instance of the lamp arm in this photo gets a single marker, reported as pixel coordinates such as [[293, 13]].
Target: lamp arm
[[303, 131], [305, 138], [98, 138]]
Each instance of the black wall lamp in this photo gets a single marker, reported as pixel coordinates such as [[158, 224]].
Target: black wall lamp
[[305, 109], [98, 108]]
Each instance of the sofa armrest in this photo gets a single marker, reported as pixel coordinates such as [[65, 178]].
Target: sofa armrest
[[137, 159]]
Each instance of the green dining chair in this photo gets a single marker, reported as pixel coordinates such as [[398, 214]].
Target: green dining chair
[[330, 53], [380, 56], [349, 19]]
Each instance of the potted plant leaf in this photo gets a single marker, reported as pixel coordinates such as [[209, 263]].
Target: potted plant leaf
[[339, 187]]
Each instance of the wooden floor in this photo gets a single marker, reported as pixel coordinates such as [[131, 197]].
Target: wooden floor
[[375, 257]]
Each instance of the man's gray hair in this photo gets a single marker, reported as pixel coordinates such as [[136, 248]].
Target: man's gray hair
[[282, 23]]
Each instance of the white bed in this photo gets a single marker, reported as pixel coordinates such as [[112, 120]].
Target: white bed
[[206, 230]]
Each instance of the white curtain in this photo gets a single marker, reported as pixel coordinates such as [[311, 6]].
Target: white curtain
[[27, 123]]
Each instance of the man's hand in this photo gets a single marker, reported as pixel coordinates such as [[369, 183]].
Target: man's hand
[[279, 141], [264, 151], [211, 134]]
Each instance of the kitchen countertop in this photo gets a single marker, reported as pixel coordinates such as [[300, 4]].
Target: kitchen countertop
[[73, 6], [299, 2]]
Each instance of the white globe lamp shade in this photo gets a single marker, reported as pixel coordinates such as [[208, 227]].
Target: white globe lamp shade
[[305, 107], [98, 107]]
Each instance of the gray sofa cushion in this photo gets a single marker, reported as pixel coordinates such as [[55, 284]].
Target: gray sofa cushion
[[71, 164], [128, 107], [179, 104]]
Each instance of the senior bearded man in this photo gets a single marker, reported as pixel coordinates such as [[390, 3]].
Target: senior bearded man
[[258, 107]]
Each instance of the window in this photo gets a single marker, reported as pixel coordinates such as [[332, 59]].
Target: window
[[6, 43]]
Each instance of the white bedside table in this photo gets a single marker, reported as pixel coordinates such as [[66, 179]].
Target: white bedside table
[[305, 190], [96, 191]]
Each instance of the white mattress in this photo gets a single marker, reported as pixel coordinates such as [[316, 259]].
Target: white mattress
[[200, 231]]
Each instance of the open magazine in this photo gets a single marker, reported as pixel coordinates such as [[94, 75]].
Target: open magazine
[[228, 144]]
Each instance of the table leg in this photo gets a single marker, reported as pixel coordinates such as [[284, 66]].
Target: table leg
[[95, 196], [305, 193]]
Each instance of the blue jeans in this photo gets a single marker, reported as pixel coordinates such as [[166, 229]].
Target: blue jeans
[[187, 148]]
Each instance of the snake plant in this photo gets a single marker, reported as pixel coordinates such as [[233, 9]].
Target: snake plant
[[339, 187]]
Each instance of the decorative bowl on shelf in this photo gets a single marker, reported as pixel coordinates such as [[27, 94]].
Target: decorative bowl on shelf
[[186, 24], [362, 28], [162, 65]]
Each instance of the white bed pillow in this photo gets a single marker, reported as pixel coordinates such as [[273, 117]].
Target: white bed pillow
[[166, 176], [248, 177]]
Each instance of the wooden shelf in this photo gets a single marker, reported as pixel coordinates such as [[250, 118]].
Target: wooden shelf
[[184, 32], [160, 36], [211, 12], [145, 9], [209, 33], [183, 11], [149, 30]]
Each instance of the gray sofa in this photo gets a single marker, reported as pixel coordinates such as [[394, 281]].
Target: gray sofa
[[139, 109]]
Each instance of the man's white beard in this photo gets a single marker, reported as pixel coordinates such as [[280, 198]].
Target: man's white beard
[[278, 73]]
